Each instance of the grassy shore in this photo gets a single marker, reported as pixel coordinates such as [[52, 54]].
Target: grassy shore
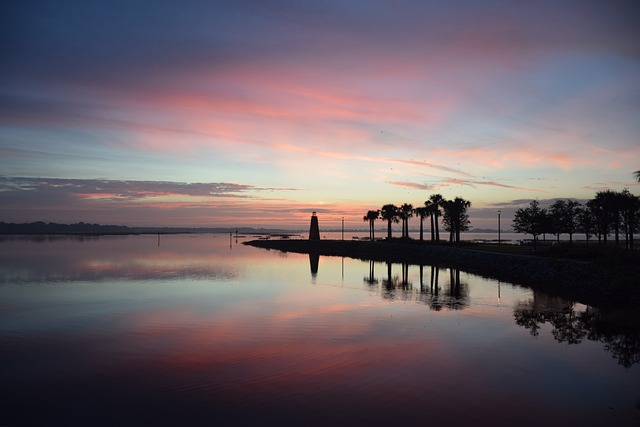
[[594, 276]]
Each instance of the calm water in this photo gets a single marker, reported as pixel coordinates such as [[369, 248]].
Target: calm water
[[202, 330]]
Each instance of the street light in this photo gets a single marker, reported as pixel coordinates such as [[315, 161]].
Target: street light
[[498, 227], [342, 228]]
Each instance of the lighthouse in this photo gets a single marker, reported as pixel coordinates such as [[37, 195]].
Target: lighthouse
[[314, 230]]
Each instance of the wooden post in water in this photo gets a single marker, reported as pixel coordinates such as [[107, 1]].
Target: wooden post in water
[[314, 230]]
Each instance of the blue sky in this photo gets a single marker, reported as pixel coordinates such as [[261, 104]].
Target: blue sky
[[205, 113]]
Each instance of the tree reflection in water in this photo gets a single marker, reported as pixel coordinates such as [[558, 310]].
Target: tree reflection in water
[[400, 287], [572, 324], [371, 279]]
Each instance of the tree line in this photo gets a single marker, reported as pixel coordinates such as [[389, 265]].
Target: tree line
[[608, 213], [453, 212], [41, 227]]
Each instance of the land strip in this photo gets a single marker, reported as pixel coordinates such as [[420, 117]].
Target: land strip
[[590, 282]]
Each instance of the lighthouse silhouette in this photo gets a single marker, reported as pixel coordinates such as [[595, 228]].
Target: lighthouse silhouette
[[314, 230]]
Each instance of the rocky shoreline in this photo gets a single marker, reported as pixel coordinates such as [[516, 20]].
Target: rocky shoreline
[[587, 282]]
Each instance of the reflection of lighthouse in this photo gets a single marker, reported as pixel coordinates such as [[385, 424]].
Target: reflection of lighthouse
[[314, 230]]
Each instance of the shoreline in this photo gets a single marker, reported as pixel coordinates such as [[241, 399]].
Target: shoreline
[[588, 282]]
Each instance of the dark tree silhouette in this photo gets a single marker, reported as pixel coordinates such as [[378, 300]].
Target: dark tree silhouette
[[405, 211], [571, 217], [455, 217], [421, 212], [431, 209], [554, 215], [615, 211], [630, 211], [390, 214], [371, 217], [600, 217], [606, 206], [586, 222], [436, 202], [530, 220], [563, 218]]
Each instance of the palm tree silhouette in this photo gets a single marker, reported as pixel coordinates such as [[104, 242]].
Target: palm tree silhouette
[[455, 216], [405, 212], [422, 212], [371, 216], [637, 174], [390, 214], [431, 211], [436, 201]]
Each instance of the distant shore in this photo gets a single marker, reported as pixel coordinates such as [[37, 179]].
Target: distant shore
[[83, 228], [592, 283]]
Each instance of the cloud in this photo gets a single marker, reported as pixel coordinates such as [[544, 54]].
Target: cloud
[[611, 185], [447, 182], [497, 184], [150, 203], [58, 191], [414, 185], [357, 92], [434, 166]]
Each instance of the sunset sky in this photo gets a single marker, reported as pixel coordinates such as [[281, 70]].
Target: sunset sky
[[256, 113]]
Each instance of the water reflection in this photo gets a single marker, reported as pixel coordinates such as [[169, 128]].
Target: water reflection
[[572, 323], [453, 294], [371, 279], [314, 260], [87, 258], [265, 343]]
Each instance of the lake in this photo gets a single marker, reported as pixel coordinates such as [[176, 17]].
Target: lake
[[202, 330]]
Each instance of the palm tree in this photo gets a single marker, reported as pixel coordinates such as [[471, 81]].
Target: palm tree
[[456, 218], [430, 209], [422, 212], [637, 174], [405, 212], [389, 213], [436, 200], [371, 216]]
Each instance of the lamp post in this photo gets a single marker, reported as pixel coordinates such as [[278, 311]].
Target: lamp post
[[342, 228], [498, 227]]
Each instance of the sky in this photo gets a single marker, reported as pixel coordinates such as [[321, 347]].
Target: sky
[[257, 113]]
